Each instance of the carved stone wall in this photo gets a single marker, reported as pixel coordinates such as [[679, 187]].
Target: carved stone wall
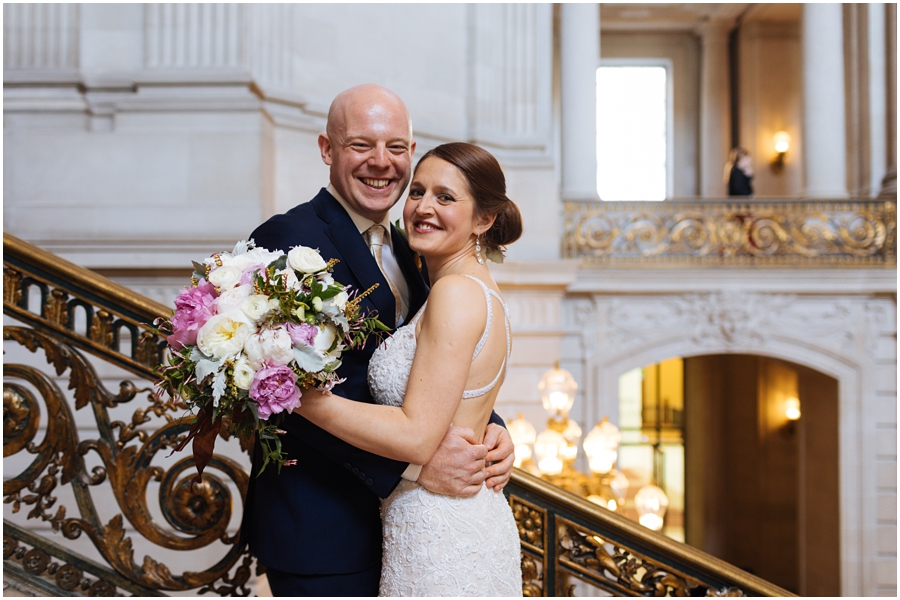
[[843, 333], [40, 36], [115, 112]]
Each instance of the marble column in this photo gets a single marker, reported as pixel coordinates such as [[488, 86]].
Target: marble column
[[889, 183], [878, 160], [715, 107], [580, 57], [824, 137]]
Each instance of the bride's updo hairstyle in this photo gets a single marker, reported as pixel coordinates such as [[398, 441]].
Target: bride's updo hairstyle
[[487, 185]]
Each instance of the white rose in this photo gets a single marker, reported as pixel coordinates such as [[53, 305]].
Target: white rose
[[243, 373], [224, 335], [233, 298], [272, 346], [305, 260], [256, 306], [325, 338], [225, 277]]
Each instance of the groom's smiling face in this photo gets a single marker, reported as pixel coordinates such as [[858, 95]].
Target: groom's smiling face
[[369, 147]]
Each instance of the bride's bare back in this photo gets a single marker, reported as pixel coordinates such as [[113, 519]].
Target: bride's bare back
[[487, 311]]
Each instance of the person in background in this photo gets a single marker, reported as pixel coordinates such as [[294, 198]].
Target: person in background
[[739, 172]]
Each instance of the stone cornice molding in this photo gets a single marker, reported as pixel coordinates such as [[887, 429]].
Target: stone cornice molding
[[823, 282], [715, 30], [547, 275]]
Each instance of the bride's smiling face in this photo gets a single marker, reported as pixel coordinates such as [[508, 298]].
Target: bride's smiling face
[[440, 213]]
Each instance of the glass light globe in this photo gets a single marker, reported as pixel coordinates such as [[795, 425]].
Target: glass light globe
[[618, 484], [651, 504], [523, 435], [557, 388], [602, 460], [601, 446], [572, 434], [548, 452], [521, 431]]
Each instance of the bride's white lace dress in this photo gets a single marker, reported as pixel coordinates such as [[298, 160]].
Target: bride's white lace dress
[[438, 545]]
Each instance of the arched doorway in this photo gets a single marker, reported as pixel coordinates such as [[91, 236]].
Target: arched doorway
[[761, 491], [850, 339], [747, 480]]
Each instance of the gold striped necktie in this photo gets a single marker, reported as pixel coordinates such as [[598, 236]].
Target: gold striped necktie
[[374, 237]]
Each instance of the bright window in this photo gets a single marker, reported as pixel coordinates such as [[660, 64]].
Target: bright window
[[632, 132]]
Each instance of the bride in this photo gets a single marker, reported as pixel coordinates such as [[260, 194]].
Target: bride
[[444, 367]]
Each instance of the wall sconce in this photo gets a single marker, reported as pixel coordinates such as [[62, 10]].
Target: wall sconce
[[792, 409], [792, 414], [782, 141]]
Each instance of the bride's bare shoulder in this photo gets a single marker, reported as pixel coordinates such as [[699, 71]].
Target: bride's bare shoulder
[[459, 301]]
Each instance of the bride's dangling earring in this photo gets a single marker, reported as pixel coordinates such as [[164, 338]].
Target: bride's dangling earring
[[478, 250]]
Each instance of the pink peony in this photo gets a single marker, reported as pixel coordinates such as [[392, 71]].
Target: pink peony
[[249, 274], [303, 334], [274, 389], [193, 308]]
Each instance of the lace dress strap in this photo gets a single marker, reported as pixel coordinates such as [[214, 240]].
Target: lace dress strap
[[488, 292]]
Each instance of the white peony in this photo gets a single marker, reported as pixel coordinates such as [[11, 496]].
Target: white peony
[[225, 277], [257, 256], [272, 346], [243, 373], [292, 283], [256, 306], [224, 335], [340, 300], [305, 260], [233, 299]]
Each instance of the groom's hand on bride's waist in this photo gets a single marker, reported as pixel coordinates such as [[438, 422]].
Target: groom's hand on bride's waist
[[500, 457], [457, 468]]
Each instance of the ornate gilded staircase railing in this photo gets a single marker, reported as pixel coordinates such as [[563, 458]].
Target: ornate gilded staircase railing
[[566, 539], [67, 311]]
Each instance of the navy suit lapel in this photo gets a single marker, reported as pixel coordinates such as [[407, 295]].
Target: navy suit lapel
[[356, 256]]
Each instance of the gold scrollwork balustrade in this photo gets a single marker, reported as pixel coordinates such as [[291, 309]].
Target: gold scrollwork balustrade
[[114, 330], [565, 538], [801, 233]]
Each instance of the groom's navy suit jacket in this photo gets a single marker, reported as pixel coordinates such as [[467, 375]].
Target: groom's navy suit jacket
[[322, 515]]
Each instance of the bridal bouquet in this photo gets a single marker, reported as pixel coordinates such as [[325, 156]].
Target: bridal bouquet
[[253, 329]]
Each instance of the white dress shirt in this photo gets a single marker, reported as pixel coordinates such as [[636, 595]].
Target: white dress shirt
[[388, 259]]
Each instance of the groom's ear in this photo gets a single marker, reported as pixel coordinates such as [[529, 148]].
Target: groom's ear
[[325, 148]]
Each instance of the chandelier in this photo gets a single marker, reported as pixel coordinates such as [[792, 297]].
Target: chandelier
[[552, 453]]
